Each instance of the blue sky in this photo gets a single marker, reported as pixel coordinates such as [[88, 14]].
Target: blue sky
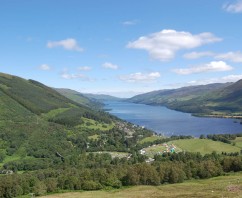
[[123, 47]]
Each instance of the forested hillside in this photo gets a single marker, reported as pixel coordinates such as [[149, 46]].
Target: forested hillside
[[212, 99], [41, 127]]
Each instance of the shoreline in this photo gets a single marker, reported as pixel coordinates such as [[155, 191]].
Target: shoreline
[[218, 116]]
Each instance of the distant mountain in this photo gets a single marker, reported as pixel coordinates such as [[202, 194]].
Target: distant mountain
[[79, 98], [218, 98], [102, 97]]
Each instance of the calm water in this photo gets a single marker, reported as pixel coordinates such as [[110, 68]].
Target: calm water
[[170, 122]]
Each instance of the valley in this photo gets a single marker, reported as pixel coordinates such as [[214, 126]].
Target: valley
[[51, 142], [120, 98]]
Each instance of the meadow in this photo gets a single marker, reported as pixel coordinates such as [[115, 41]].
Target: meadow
[[204, 146]]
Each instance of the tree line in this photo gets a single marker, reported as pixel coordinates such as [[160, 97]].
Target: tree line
[[101, 171]]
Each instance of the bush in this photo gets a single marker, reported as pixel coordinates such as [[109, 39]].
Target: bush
[[91, 185]]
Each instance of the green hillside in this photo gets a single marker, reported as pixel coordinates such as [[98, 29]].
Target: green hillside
[[212, 99], [33, 95], [79, 98], [36, 123]]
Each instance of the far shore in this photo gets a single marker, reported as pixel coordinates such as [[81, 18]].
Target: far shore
[[219, 116]]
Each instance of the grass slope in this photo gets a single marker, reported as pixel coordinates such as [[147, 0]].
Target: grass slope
[[238, 142], [204, 146], [223, 186], [150, 139], [32, 95], [92, 124], [12, 111]]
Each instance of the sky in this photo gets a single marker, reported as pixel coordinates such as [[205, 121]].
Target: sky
[[122, 47]]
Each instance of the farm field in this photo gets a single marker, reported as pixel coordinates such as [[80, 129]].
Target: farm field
[[223, 186], [114, 154], [91, 124], [150, 139], [204, 146], [238, 142]]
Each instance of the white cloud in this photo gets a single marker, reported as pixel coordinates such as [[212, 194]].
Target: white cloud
[[44, 67], [131, 22], [68, 44], [213, 66], [235, 7], [84, 68], [139, 77], [69, 76], [231, 56], [164, 44], [231, 78], [195, 55], [108, 65], [224, 79]]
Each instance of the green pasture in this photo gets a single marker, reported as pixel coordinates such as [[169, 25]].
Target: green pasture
[[92, 124], [150, 139], [204, 146]]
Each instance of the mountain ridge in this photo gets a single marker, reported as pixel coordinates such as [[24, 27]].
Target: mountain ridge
[[213, 99], [79, 98]]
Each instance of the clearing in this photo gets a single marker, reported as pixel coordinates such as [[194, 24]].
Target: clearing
[[204, 146], [151, 139], [238, 142]]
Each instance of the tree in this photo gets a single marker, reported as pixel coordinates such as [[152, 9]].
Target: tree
[[132, 177], [91, 185], [40, 188]]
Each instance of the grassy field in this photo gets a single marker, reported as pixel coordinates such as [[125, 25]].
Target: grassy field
[[223, 186], [92, 124], [9, 159], [238, 142], [53, 113], [204, 146], [93, 137], [150, 139], [13, 158], [115, 154]]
